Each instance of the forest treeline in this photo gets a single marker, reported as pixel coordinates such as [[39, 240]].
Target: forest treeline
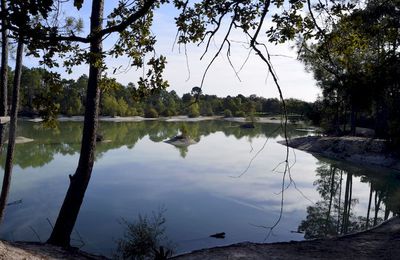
[[119, 100]]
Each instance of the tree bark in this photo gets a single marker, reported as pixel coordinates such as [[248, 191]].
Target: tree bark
[[377, 207], [332, 193], [4, 62], [13, 128], [340, 198], [347, 204], [3, 74], [80, 180], [369, 205], [353, 119]]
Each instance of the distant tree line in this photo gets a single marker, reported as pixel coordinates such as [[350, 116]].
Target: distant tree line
[[119, 100]]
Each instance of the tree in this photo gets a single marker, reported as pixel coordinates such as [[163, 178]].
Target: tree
[[13, 128], [21, 16], [359, 54], [80, 180], [4, 64]]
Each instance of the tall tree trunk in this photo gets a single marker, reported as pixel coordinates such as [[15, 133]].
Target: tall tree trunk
[[369, 205], [350, 199], [3, 74], [353, 118], [332, 192], [80, 180], [13, 129], [340, 198], [377, 207], [387, 212], [345, 120], [347, 198], [4, 62]]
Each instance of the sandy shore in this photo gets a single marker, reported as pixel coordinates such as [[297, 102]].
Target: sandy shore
[[273, 120], [361, 150], [381, 242], [39, 251]]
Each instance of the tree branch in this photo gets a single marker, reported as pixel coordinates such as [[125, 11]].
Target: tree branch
[[131, 19]]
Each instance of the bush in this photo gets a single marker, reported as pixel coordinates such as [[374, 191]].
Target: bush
[[131, 111], [227, 113], [168, 112], [194, 110], [139, 111], [240, 114], [151, 113], [209, 111], [144, 239]]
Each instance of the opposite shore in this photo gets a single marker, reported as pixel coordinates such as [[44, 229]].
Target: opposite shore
[[166, 119]]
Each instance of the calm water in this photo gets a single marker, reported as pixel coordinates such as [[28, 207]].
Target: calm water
[[202, 187]]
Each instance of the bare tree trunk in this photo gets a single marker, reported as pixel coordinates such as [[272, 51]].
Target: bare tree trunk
[[4, 62], [80, 180], [346, 207], [344, 120], [350, 199], [353, 122], [13, 129], [332, 192], [340, 198], [369, 205], [387, 212], [3, 74], [377, 207]]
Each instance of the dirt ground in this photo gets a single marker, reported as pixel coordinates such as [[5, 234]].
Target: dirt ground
[[382, 242], [36, 251]]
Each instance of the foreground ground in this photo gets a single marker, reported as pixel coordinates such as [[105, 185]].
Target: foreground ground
[[35, 251], [382, 242]]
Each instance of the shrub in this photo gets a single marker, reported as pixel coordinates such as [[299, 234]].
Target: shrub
[[168, 112], [194, 110], [227, 113], [209, 111], [151, 113], [240, 114], [144, 239]]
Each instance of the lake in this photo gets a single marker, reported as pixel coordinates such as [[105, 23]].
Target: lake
[[229, 181]]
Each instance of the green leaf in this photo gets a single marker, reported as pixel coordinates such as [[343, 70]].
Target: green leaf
[[78, 4]]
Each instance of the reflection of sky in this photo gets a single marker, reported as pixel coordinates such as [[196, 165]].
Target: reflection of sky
[[200, 193]]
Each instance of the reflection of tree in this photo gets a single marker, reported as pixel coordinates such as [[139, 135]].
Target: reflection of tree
[[183, 150], [66, 138], [334, 213], [331, 216]]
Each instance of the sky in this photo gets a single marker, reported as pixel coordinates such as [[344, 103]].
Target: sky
[[185, 73]]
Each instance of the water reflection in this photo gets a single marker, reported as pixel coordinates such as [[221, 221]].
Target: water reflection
[[65, 139], [334, 213], [136, 172]]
